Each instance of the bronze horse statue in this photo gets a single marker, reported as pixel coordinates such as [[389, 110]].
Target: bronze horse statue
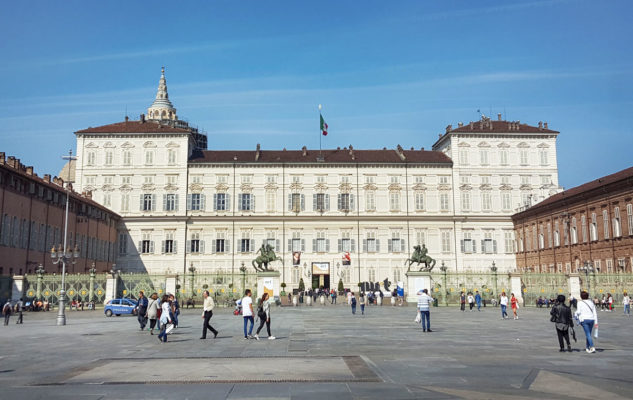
[[266, 256], [419, 257]]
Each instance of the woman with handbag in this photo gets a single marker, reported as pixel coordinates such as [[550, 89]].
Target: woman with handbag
[[514, 303], [165, 318], [561, 316], [263, 312], [588, 317], [152, 312]]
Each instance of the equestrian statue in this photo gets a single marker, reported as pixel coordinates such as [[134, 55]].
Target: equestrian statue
[[266, 256], [419, 257]]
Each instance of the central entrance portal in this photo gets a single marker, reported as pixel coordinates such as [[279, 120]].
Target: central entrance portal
[[321, 275]]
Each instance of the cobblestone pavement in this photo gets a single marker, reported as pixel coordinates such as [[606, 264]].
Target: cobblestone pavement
[[320, 352]]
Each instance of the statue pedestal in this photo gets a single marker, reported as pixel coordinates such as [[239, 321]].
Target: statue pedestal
[[268, 282], [515, 287], [417, 281]]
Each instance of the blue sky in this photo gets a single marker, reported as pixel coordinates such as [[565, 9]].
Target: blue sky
[[386, 72]]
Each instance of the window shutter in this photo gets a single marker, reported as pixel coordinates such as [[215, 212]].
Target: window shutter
[[340, 245], [494, 246], [153, 202], [339, 205], [189, 202], [201, 246], [403, 245], [277, 248], [314, 202], [175, 202], [140, 247], [377, 246], [215, 202], [463, 246], [314, 245], [389, 245], [227, 201], [162, 247], [474, 246], [263, 242], [289, 201], [239, 202], [151, 246], [303, 202], [252, 245], [327, 202], [188, 249], [290, 245], [164, 206], [364, 245], [203, 202], [252, 202], [303, 245], [327, 245], [351, 202], [353, 245], [227, 246], [175, 247], [483, 246], [213, 246]]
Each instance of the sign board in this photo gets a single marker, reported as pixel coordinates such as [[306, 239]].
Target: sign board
[[322, 268], [268, 287]]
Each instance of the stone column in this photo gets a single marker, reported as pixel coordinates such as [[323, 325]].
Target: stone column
[[17, 291], [38, 289], [91, 289], [112, 282], [170, 283], [574, 285], [417, 281], [515, 287]]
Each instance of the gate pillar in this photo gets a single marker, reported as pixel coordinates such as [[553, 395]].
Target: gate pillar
[[17, 290], [111, 288], [574, 285], [515, 287], [170, 283]]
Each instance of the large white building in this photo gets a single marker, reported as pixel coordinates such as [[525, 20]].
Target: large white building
[[183, 205]]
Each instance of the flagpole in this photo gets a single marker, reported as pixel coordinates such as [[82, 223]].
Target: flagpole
[[320, 133]]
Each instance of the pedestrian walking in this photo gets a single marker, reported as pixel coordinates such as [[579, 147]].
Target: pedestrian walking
[[207, 313], [6, 311], [19, 308], [362, 301], [610, 301], [247, 313], [471, 301], [424, 306], [141, 310], [514, 303], [263, 312], [503, 301], [165, 318], [561, 316], [588, 317], [626, 303], [334, 295], [152, 312], [352, 302], [478, 300], [175, 309], [462, 301]]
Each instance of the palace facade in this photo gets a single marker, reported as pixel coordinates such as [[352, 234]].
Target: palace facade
[[345, 212]]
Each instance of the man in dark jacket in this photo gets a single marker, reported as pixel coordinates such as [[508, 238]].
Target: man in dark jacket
[[141, 310], [561, 316]]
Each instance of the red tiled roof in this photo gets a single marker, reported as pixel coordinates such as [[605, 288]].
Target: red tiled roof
[[584, 188], [329, 156], [134, 127], [500, 127]]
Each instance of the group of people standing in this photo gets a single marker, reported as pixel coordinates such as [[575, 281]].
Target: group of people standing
[[164, 312], [7, 310], [586, 316], [472, 300]]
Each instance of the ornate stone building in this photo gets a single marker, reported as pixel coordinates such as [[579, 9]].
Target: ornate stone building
[[340, 212], [590, 223]]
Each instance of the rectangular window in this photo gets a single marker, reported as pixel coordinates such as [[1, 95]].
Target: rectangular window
[[629, 218], [370, 200], [247, 179], [556, 234], [296, 243], [394, 179], [546, 180], [463, 156], [395, 243], [147, 202], [220, 244], [523, 154], [170, 202], [503, 157], [196, 201], [483, 156], [126, 180], [107, 200], [295, 202], [127, 158], [125, 202], [443, 201], [91, 180], [221, 178], [322, 203], [148, 180], [593, 228], [394, 201], [196, 179], [146, 245], [221, 202], [370, 179], [346, 244], [489, 245], [543, 157], [108, 157], [246, 202], [464, 179], [419, 201], [617, 230], [108, 179], [271, 178], [149, 158], [271, 204], [195, 243], [171, 157], [122, 244], [296, 179], [508, 242], [505, 179], [465, 197], [446, 241], [506, 202], [486, 201], [345, 202], [420, 237], [605, 219], [443, 179], [90, 158], [172, 179], [419, 179], [467, 243], [583, 223], [245, 245], [371, 241], [169, 243]]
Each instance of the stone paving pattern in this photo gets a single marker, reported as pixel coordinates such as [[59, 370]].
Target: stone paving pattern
[[320, 352]]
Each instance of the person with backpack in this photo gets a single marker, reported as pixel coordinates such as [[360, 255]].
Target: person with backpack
[[165, 318], [362, 301], [588, 317], [6, 311], [263, 313], [352, 302], [561, 316]]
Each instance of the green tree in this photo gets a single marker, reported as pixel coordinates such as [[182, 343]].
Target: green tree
[[340, 286], [302, 286]]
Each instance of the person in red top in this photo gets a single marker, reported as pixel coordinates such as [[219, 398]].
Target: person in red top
[[514, 303]]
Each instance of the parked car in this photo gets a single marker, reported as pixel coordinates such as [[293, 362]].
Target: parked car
[[119, 306]]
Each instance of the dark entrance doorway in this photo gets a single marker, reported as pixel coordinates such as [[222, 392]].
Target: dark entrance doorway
[[321, 275]]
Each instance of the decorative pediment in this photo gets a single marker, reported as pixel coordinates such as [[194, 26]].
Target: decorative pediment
[[195, 188], [172, 145], [444, 186], [523, 145], [370, 186], [466, 187], [419, 187], [221, 187], [503, 145], [107, 188], [296, 186], [505, 187], [148, 187], [149, 144], [109, 145], [271, 186], [89, 188], [485, 186], [246, 188], [125, 188], [483, 144], [526, 187], [320, 187], [543, 146], [170, 187], [463, 144], [394, 187], [345, 187], [127, 145], [91, 145]]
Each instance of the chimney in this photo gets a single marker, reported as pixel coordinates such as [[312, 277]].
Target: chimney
[[142, 118], [471, 125], [258, 152], [2, 156], [540, 125], [47, 178], [400, 153], [351, 150], [545, 125], [127, 118], [449, 128], [89, 195], [421, 148], [29, 170], [460, 124], [412, 148], [11, 161], [499, 117], [304, 151]]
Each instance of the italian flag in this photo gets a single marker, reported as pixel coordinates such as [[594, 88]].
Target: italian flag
[[323, 126]]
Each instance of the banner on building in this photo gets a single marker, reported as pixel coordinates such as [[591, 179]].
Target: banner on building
[[322, 268], [347, 259], [296, 258]]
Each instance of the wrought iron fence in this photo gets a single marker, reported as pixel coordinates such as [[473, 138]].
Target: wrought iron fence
[[129, 285], [603, 284], [80, 287], [544, 286], [224, 287], [447, 287]]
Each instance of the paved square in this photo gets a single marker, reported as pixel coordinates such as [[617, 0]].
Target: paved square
[[320, 352]]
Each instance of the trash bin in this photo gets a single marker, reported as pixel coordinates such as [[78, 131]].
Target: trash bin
[[434, 302]]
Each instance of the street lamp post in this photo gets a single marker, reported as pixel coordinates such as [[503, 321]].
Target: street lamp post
[[493, 268], [587, 268], [65, 256], [444, 268]]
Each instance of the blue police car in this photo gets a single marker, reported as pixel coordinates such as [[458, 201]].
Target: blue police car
[[119, 306]]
